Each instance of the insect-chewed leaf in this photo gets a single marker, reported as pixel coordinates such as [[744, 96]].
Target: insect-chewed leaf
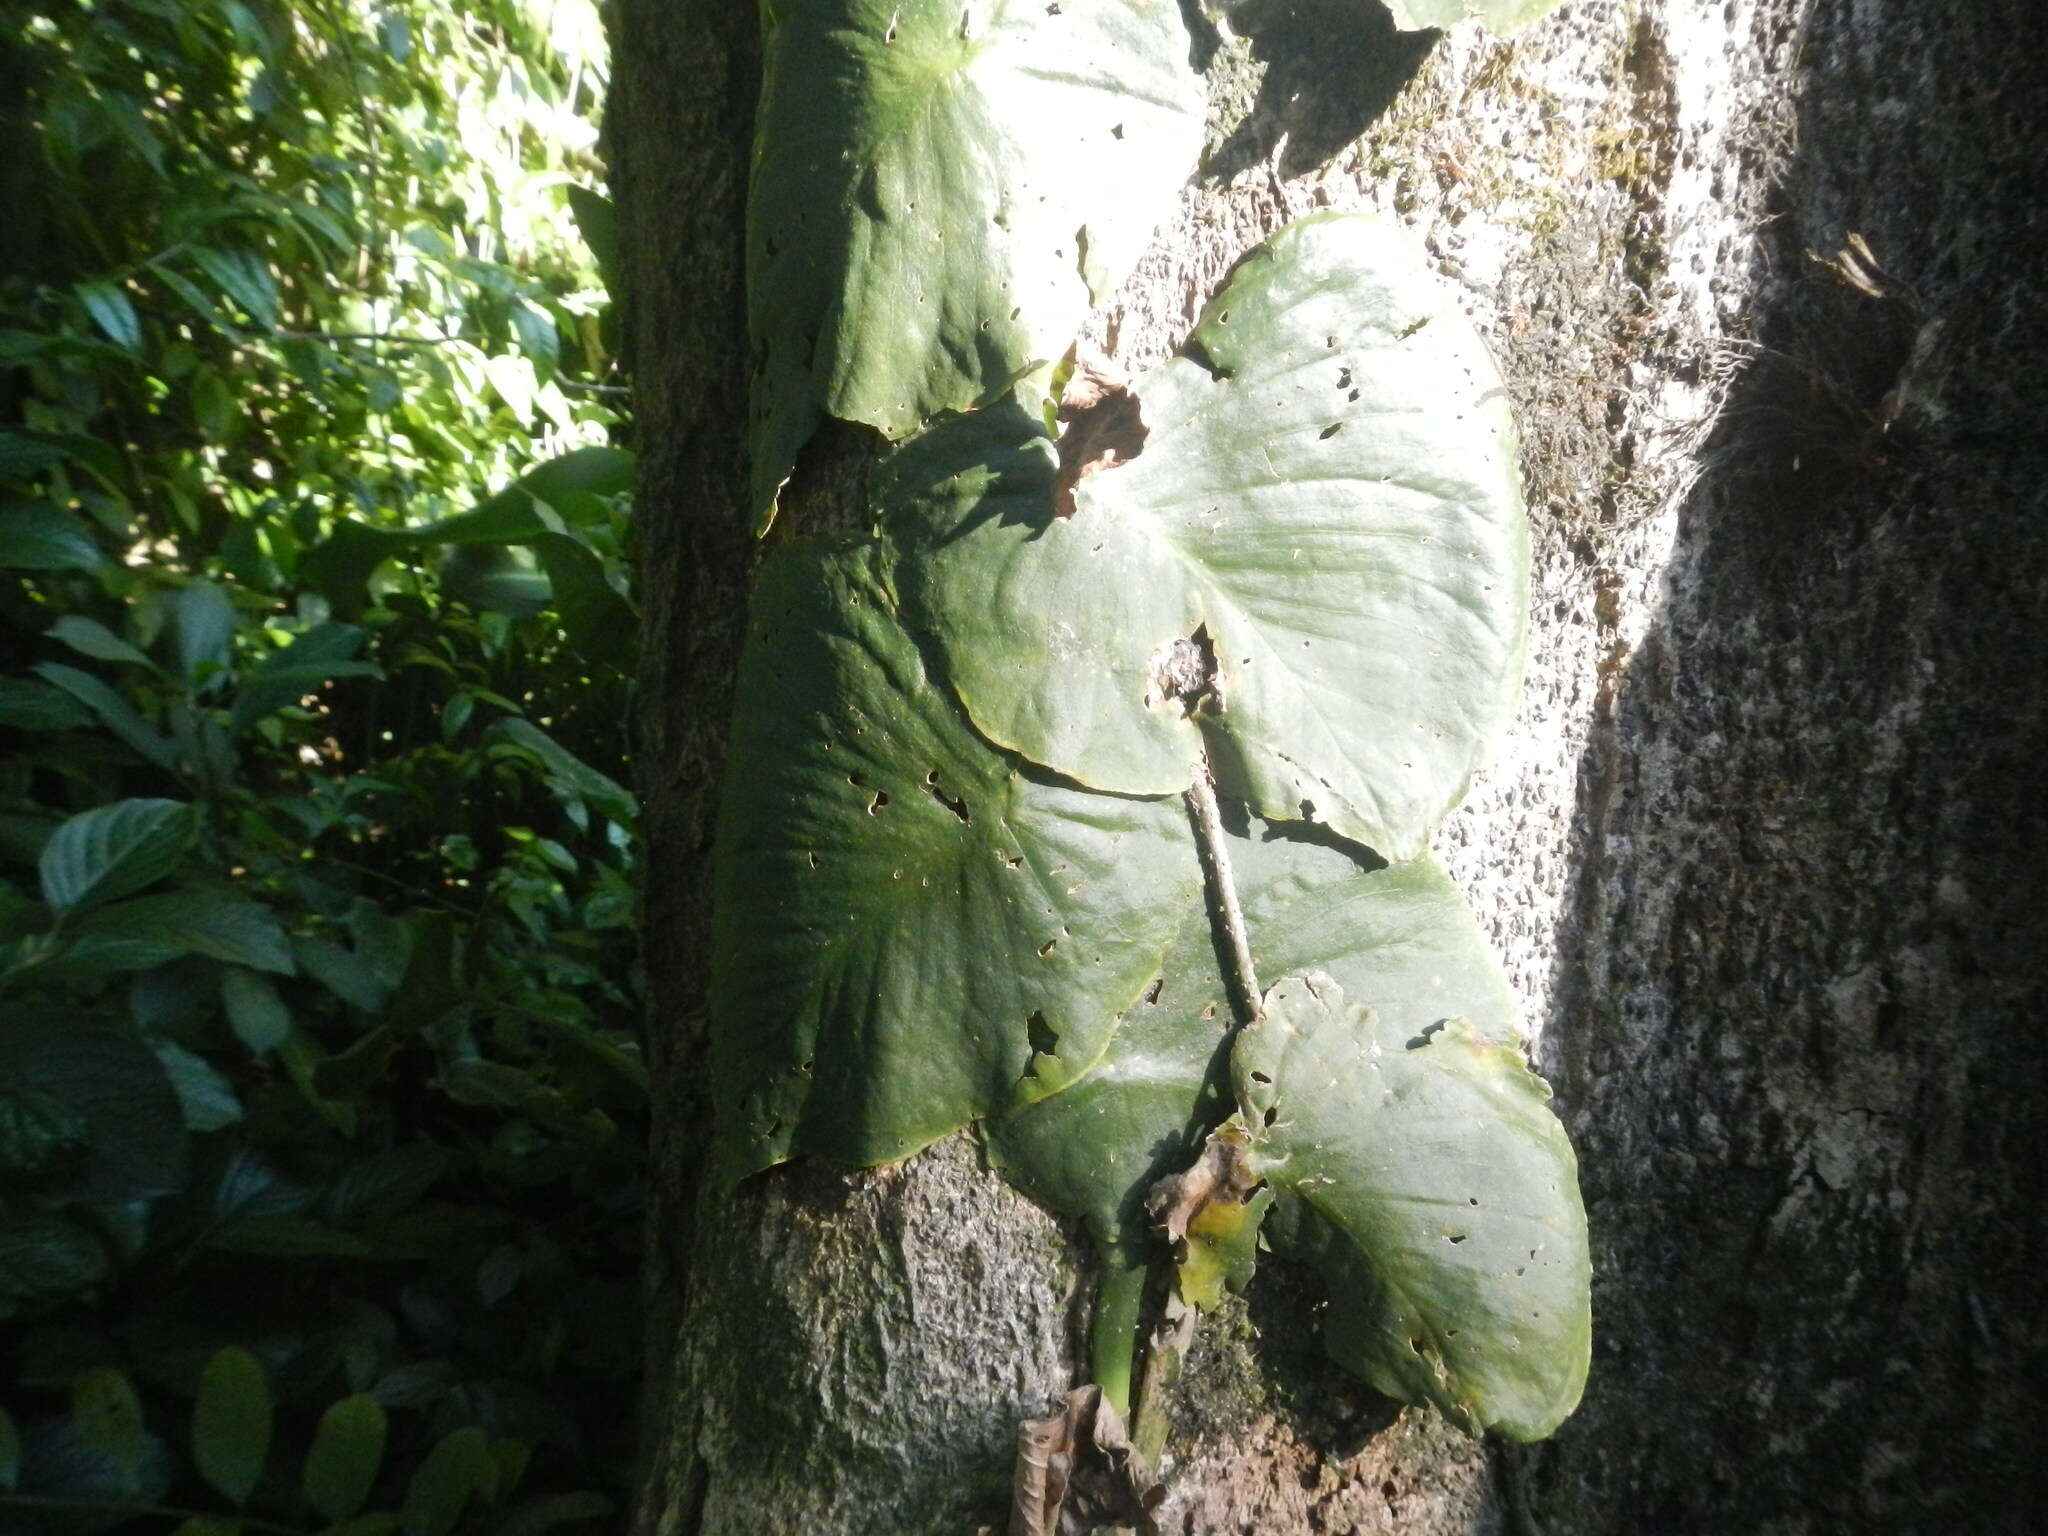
[[1426, 1176], [1325, 500], [1403, 937], [941, 188], [911, 930], [1499, 15]]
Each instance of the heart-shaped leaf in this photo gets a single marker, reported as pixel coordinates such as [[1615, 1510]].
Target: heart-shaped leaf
[[910, 930], [941, 188], [1324, 513], [1403, 937], [1426, 1176]]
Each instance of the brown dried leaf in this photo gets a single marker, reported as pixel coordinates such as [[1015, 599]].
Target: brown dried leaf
[[1104, 428], [1076, 1472], [1221, 1173]]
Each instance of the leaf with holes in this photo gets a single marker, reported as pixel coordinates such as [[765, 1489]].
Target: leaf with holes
[[1402, 937], [1499, 15], [1325, 505], [1426, 1177], [910, 930], [941, 189]]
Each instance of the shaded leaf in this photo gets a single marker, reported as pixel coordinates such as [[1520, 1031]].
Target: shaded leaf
[[600, 624], [495, 579], [910, 931], [940, 191], [206, 628], [91, 638], [231, 1423], [455, 1471], [10, 1452], [114, 712], [104, 1076], [35, 536], [1426, 1176], [206, 1098], [284, 677], [255, 1012], [570, 773], [551, 1512], [1325, 514], [29, 704], [346, 1455], [107, 1417], [113, 851], [598, 224], [44, 1257], [198, 922]]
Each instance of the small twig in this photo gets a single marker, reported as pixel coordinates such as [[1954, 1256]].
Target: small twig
[[1223, 891]]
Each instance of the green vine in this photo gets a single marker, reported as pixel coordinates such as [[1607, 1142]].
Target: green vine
[[1122, 699]]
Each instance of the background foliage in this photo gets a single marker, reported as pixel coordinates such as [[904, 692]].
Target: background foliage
[[320, 1110]]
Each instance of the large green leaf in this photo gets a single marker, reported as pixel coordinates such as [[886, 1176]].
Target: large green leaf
[[1499, 15], [1327, 494], [941, 188], [197, 922], [114, 851], [1402, 937], [1426, 1176], [35, 536], [911, 931]]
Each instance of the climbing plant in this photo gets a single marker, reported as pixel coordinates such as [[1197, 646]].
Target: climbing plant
[[1126, 695]]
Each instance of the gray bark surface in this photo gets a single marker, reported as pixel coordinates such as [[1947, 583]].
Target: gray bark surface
[[1764, 853]]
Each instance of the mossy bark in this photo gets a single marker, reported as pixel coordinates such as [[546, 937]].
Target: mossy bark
[[1765, 852]]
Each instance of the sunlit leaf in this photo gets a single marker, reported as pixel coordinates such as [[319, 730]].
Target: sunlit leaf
[[940, 191], [113, 313], [1401, 938], [1326, 501], [1427, 1178]]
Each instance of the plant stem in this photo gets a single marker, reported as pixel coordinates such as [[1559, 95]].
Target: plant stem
[[1113, 1331], [1223, 892], [1169, 1343]]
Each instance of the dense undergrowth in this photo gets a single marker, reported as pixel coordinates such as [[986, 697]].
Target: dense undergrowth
[[320, 1104]]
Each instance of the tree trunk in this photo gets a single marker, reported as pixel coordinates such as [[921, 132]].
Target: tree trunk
[[1763, 854]]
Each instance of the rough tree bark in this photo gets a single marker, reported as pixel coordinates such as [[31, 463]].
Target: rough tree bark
[[1765, 853]]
